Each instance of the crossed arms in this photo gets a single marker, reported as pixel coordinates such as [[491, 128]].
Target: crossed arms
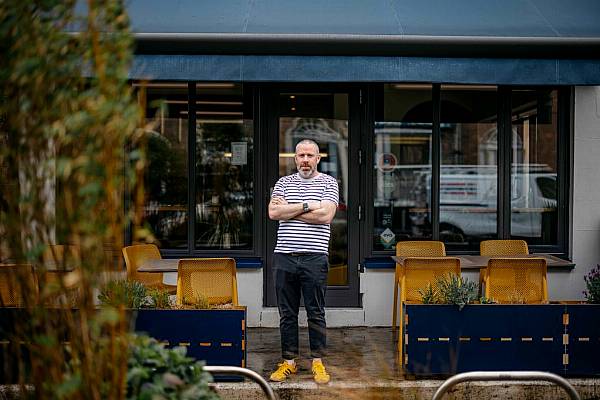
[[320, 212]]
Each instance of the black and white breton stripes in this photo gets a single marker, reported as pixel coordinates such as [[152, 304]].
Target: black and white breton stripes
[[298, 236]]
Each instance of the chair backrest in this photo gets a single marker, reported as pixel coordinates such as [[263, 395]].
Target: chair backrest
[[137, 254], [516, 280], [418, 272], [503, 248], [214, 278], [16, 282], [418, 248], [63, 256]]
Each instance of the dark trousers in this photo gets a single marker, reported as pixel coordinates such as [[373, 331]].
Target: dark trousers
[[306, 274]]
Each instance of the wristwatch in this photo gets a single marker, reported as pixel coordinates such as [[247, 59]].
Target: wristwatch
[[305, 207]]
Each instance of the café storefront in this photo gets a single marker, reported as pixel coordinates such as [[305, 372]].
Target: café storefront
[[432, 136]]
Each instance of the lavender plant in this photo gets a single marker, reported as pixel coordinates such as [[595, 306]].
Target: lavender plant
[[592, 283]]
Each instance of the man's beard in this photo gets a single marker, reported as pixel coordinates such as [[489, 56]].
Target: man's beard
[[305, 173]]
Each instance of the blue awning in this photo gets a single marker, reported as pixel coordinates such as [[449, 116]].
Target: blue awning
[[366, 69], [537, 42]]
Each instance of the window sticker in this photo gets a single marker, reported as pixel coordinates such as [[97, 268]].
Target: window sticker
[[239, 153], [386, 162], [388, 238]]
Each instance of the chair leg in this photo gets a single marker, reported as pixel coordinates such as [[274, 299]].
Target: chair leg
[[401, 338], [395, 308]]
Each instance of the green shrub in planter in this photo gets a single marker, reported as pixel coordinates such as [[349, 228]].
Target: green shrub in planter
[[429, 295], [157, 373], [158, 298], [131, 294], [486, 300], [449, 289], [456, 290]]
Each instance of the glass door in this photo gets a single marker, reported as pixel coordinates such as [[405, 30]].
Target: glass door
[[322, 116]]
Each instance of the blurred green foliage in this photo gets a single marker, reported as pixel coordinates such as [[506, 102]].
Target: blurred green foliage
[[158, 373], [67, 121]]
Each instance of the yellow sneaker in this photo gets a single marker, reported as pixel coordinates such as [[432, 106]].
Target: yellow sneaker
[[283, 371], [319, 373]]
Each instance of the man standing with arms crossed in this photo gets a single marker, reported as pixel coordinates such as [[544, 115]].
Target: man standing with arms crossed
[[304, 203]]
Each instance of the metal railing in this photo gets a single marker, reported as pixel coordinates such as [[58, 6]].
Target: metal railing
[[245, 372], [506, 376]]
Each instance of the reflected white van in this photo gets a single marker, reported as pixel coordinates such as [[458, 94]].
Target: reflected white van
[[468, 201]]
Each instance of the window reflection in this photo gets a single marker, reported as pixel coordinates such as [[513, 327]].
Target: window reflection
[[224, 167], [402, 166], [166, 182], [468, 176], [534, 214], [322, 117]]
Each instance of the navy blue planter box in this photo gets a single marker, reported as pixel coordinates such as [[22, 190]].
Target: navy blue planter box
[[216, 336], [558, 338]]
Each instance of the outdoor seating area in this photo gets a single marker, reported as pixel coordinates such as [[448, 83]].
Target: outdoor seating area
[[447, 327], [434, 340], [509, 275], [419, 264]]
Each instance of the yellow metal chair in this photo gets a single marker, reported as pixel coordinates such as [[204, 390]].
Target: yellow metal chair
[[414, 248], [16, 282], [214, 278], [61, 256], [416, 274], [135, 256], [499, 248], [517, 280]]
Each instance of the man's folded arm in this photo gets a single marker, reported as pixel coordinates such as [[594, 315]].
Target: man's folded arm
[[322, 215], [283, 212], [280, 210]]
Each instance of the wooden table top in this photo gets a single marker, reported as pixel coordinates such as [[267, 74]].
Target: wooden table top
[[160, 265], [49, 266], [478, 262]]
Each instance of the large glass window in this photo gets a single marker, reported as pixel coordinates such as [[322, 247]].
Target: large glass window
[[224, 168], [166, 180], [468, 176], [486, 137], [222, 165], [402, 166], [534, 214]]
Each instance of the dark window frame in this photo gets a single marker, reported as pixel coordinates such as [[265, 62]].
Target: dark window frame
[[249, 95], [372, 96], [564, 162]]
